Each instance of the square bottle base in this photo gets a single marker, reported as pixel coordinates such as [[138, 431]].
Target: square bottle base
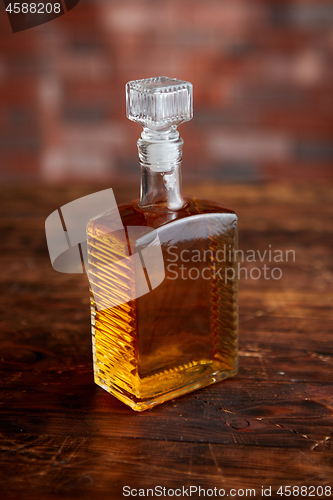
[[198, 376]]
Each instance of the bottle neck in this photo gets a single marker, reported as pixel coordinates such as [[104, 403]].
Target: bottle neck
[[160, 159]]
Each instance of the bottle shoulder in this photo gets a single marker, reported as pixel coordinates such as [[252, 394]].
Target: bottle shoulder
[[132, 214]]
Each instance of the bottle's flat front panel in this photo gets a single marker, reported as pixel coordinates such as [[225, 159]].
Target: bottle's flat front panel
[[187, 326]]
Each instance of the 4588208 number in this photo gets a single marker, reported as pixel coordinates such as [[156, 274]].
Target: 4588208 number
[[305, 491], [33, 8]]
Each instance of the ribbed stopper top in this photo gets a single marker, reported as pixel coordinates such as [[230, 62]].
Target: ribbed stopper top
[[159, 104]]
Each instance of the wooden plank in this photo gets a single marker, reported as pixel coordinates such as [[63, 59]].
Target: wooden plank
[[61, 436]]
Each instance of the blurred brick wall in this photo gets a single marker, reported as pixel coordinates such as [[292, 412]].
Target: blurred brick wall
[[263, 88]]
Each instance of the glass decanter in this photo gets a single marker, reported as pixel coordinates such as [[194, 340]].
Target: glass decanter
[[163, 282]]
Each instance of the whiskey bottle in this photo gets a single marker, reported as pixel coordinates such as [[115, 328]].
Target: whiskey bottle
[[163, 286]]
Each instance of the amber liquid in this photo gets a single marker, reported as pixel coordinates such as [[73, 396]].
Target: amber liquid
[[182, 335]]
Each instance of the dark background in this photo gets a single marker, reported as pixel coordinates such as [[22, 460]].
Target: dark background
[[263, 96]]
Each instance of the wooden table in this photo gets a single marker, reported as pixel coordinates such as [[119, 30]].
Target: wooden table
[[63, 437]]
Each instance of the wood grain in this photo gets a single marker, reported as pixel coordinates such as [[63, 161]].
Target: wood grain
[[62, 437]]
